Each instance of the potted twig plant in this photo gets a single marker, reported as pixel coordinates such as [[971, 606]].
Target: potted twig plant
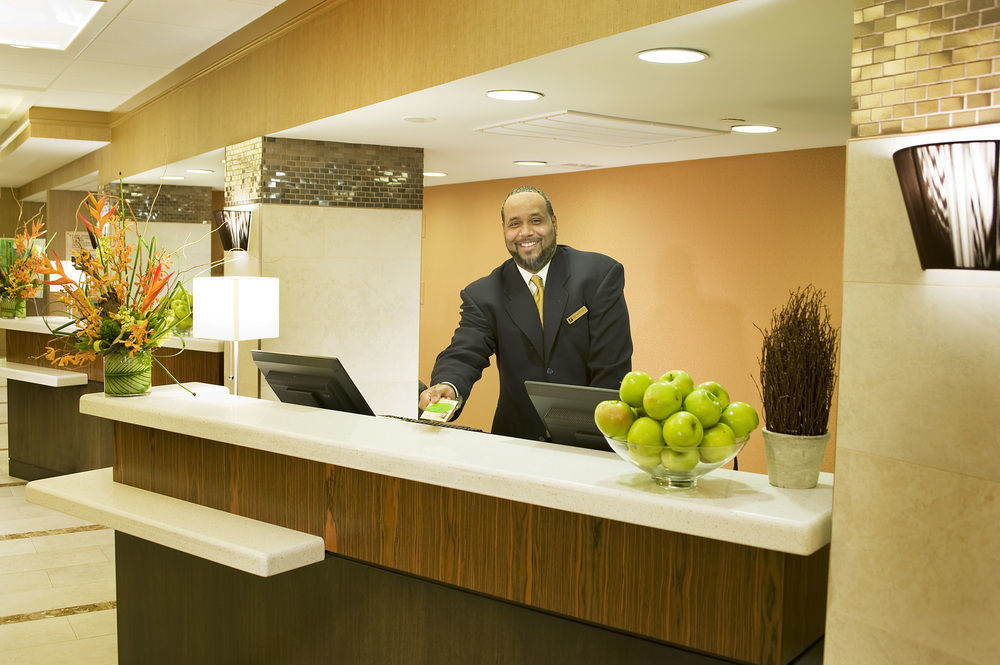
[[797, 376]]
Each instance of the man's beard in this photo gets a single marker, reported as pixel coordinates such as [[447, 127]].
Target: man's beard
[[537, 263]]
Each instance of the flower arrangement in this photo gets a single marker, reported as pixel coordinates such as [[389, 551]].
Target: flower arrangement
[[19, 272], [120, 303]]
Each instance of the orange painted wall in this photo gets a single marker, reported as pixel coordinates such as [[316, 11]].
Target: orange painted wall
[[710, 248]]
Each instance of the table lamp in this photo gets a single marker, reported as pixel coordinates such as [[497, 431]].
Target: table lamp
[[235, 309]]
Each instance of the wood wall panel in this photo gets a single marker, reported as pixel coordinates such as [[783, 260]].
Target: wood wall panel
[[704, 594], [265, 486]]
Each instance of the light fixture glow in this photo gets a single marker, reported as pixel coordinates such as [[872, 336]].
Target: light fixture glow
[[419, 119], [671, 56], [48, 24], [530, 162], [207, 171], [171, 177], [434, 174], [514, 95], [753, 129]]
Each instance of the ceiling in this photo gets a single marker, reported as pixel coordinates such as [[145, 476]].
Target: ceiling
[[779, 62]]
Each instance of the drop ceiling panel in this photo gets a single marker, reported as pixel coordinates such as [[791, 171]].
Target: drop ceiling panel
[[96, 100], [38, 155], [40, 62], [596, 129], [224, 15], [129, 41], [36, 80], [85, 76]]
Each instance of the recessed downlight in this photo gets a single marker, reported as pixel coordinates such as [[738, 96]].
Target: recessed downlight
[[419, 118], [671, 56], [530, 162], [171, 177], [514, 95], [205, 171], [434, 174], [753, 129]]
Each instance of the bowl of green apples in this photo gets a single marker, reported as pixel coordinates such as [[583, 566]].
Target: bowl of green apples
[[672, 429]]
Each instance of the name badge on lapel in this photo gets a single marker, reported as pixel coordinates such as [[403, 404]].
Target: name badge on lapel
[[571, 319]]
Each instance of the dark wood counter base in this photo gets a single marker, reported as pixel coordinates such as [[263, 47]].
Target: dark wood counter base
[[47, 434], [197, 612]]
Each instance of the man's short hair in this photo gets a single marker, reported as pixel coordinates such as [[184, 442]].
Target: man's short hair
[[527, 188]]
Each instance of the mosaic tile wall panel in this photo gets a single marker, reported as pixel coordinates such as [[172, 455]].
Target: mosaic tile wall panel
[[924, 64], [165, 203], [323, 173], [243, 163]]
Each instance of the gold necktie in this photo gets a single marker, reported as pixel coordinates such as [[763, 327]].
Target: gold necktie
[[539, 295]]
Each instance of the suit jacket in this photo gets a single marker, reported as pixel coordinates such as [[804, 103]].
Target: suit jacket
[[499, 317]]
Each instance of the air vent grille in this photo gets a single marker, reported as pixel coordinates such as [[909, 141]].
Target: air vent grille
[[595, 129]]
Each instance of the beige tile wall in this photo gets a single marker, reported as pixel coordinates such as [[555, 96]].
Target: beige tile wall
[[914, 555], [924, 64]]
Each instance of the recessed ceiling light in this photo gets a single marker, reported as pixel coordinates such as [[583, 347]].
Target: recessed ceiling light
[[171, 177], [200, 171], [529, 162], [419, 118], [514, 95], [753, 129], [434, 174], [671, 56], [52, 25]]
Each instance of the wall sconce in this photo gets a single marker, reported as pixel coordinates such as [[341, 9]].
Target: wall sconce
[[950, 191], [235, 309], [234, 229]]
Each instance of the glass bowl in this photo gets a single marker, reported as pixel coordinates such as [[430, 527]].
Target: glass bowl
[[684, 476]]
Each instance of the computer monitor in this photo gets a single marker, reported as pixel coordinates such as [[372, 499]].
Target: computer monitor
[[568, 412], [311, 381]]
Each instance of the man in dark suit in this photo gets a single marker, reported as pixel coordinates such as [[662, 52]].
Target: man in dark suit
[[584, 339]]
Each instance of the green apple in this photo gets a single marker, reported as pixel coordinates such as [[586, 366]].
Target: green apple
[[717, 390], [682, 430], [681, 379], [679, 460], [649, 461], [633, 387], [645, 437], [717, 444], [614, 418], [661, 400], [704, 405], [741, 418]]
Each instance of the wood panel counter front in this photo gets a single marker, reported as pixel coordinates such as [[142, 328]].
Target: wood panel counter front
[[736, 569]]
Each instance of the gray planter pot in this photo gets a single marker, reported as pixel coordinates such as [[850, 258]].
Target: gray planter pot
[[794, 461]]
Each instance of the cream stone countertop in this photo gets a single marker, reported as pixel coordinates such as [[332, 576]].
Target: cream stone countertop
[[731, 506], [43, 376], [37, 324]]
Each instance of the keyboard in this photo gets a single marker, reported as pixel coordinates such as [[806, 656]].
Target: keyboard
[[432, 423]]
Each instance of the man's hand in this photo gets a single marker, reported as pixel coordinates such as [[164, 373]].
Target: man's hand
[[434, 394]]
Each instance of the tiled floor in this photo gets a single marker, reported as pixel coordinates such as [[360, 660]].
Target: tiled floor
[[57, 581]]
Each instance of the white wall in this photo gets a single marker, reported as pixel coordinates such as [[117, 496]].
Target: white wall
[[350, 288], [915, 557]]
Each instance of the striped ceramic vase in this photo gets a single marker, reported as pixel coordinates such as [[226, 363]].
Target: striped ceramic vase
[[125, 375]]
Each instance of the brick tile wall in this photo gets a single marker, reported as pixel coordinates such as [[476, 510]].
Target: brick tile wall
[[165, 203]]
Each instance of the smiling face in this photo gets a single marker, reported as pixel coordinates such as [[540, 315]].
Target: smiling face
[[529, 230]]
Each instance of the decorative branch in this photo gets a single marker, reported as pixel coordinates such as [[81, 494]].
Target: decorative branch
[[798, 365]]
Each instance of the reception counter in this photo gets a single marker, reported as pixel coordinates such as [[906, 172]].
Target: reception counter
[[47, 434], [445, 545]]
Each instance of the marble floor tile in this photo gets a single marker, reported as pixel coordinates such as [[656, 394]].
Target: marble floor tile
[[24, 602], [85, 573], [24, 581], [17, 546], [101, 650], [16, 636], [74, 540], [55, 559], [92, 624], [53, 520]]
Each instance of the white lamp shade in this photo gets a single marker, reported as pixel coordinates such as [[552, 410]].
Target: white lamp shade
[[235, 308]]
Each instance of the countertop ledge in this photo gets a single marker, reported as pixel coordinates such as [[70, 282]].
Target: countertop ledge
[[42, 325], [239, 542], [731, 506], [43, 376]]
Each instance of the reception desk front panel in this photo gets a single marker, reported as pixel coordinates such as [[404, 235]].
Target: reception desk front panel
[[570, 532]]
